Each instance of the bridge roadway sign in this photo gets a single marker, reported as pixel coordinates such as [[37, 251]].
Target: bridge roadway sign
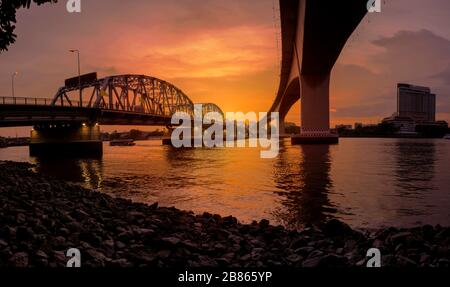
[[85, 79]]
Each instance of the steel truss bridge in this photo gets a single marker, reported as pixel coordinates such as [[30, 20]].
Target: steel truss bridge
[[115, 100]]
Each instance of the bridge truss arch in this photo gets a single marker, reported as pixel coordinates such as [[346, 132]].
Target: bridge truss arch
[[128, 93]]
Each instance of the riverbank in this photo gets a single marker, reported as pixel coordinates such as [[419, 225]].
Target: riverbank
[[41, 218], [388, 137], [12, 142]]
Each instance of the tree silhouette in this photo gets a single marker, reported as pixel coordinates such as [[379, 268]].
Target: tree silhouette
[[8, 10]]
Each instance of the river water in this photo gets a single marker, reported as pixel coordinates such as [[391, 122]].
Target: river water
[[364, 182]]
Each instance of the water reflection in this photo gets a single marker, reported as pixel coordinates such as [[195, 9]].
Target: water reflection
[[415, 167], [304, 186], [364, 182], [195, 167], [414, 171], [86, 171]]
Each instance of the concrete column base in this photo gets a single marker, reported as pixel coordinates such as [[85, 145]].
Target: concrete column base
[[67, 149], [66, 140], [299, 139]]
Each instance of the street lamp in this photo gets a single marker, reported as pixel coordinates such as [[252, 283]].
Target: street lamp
[[79, 75], [12, 83]]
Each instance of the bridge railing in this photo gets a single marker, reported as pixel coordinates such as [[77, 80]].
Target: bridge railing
[[208, 107], [38, 102], [25, 101], [48, 102]]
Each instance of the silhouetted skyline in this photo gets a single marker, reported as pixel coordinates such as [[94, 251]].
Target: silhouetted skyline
[[226, 52]]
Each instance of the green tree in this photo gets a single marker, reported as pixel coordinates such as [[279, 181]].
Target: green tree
[[8, 9], [432, 131], [291, 128], [386, 129], [114, 135], [135, 134]]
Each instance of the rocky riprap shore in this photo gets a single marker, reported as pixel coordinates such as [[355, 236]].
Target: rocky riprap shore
[[41, 218]]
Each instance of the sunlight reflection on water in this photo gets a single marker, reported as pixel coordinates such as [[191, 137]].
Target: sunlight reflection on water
[[365, 182]]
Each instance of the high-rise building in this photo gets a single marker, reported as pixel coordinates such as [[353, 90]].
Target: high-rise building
[[416, 102]]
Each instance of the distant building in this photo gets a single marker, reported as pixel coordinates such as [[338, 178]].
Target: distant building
[[361, 125], [345, 127], [404, 125], [358, 125], [416, 105], [416, 102]]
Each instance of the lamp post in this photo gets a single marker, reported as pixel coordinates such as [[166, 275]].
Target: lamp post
[[12, 84], [79, 75]]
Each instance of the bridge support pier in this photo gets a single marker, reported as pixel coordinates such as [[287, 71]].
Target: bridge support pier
[[71, 140], [314, 32], [282, 127], [315, 111]]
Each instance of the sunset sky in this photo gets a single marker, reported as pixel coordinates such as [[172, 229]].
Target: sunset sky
[[226, 52]]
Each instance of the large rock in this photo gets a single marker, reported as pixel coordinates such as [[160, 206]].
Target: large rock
[[19, 260], [329, 260], [335, 227], [46, 217]]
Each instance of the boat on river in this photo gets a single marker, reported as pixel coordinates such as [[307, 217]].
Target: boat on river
[[123, 142]]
